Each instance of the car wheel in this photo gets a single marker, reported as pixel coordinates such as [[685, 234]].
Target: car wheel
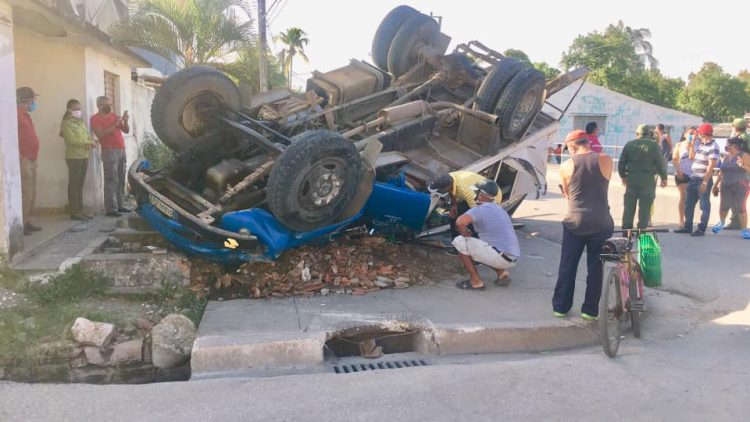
[[519, 104], [416, 32], [494, 83], [185, 108], [313, 180], [390, 24]]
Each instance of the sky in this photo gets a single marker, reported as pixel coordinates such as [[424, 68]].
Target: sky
[[340, 30]]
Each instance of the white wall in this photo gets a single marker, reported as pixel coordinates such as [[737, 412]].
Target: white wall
[[623, 113], [11, 226], [143, 96], [55, 71]]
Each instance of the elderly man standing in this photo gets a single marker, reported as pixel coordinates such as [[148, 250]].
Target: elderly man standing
[[640, 162], [497, 246], [28, 149], [588, 224], [108, 128], [705, 155]]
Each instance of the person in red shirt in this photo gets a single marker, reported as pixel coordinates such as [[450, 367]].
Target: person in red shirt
[[592, 132], [108, 128], [28, 150]]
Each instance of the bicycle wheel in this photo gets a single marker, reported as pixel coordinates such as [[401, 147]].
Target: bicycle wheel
[[610, 311], [635, 294]]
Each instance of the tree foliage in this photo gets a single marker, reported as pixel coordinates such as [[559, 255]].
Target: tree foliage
[[715, 94], [189, 32], [548, 71], [294, 40]]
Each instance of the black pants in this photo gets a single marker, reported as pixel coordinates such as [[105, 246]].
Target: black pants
[[572, 249], [76, 177]]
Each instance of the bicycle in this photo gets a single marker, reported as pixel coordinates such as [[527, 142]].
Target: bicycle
[[622, 289]]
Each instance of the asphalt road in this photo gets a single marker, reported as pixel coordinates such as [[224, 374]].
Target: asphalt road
[[692, 364]]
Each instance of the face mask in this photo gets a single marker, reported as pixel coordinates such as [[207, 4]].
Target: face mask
[[32, 107], [76, 114], [690, 138], [107, 109]]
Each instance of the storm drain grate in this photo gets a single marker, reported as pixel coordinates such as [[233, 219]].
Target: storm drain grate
[[363, 367]]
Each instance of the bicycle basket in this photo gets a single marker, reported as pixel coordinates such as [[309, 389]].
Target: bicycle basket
[[614, 248], [649, 252]]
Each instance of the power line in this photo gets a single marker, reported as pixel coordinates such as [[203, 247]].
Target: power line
[[270, 9], [282, 5]]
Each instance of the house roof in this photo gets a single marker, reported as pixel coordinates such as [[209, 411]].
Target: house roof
[[59, 22]]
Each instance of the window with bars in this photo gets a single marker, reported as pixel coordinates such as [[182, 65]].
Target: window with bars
[[580, 122]]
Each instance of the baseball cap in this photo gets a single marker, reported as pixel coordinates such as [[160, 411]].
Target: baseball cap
[[576, 135], [739, 123], [441, 182], [487, 187], [644, 129], [706, 129], [24, 93]]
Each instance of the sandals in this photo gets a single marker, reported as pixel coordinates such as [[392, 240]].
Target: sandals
[[502, 282], [466, 285]]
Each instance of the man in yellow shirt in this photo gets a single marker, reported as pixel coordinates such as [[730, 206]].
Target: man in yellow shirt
[[458, 186]]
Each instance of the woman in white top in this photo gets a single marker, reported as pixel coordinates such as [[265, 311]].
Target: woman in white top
[[682, 163]]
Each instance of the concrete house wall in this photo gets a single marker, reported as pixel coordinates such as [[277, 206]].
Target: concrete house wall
[[11, 226], [623, 114]]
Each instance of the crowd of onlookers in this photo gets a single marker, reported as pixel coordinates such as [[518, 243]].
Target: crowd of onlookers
[[107, 128], [641, 166]]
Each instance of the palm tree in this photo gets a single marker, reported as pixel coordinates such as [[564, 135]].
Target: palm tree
[[295, 40], [639, 38], [189, 32]]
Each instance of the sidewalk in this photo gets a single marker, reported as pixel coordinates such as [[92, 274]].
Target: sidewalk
[[284, 334]]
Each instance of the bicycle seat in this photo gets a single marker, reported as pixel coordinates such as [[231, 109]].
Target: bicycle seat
[[614, 248]]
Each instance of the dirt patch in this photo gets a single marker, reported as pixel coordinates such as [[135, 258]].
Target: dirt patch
[[355, 265]]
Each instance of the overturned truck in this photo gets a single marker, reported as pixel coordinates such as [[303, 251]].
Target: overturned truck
[[254, 176]]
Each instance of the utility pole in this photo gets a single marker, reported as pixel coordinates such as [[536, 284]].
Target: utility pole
[[262, 46]]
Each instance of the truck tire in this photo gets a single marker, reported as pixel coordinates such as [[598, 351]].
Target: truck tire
[[417, 31], [519, 104], [390, 24], [185, 107], [313, 180], [494, 83]]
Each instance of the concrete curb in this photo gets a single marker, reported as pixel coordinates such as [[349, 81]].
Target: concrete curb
[[514, 337], [304, 351]]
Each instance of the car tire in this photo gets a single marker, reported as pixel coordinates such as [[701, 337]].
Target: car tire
[[519, 104], [381, 42], [182, 112], [313, 180], [494, 83], [414, 33]]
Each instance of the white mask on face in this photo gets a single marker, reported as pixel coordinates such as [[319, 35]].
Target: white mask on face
[[76, 114]]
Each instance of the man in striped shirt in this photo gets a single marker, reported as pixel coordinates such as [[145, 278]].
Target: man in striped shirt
[[701, 181]]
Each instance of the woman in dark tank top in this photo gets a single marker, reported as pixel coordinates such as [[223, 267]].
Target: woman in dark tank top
[[588, 201], [586, 226]]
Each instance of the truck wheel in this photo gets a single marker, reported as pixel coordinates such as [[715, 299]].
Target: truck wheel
[[494, 83], [313, 180], [390, 24], [416, 32], [185, 107], [519, 104]]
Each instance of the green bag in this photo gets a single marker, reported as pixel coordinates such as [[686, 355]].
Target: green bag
[[649, 252]]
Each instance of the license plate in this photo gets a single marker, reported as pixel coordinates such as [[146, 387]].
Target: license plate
[[161, 206]]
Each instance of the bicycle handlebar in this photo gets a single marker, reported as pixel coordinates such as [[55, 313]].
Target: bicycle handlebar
[[639, 231]]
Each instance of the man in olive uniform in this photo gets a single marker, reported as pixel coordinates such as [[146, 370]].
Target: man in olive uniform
[[640, 162]]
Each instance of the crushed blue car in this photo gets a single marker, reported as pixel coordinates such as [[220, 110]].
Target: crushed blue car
[[254, 176]]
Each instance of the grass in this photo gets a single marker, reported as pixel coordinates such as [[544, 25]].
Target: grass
[[37, 331]]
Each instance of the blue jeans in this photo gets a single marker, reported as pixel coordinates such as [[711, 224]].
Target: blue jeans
[[695, 196], [572, 249]]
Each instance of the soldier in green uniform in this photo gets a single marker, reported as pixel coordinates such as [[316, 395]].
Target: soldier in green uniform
[[640, 162]]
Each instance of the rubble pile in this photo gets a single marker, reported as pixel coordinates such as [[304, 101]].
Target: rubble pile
[[350, 266]]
